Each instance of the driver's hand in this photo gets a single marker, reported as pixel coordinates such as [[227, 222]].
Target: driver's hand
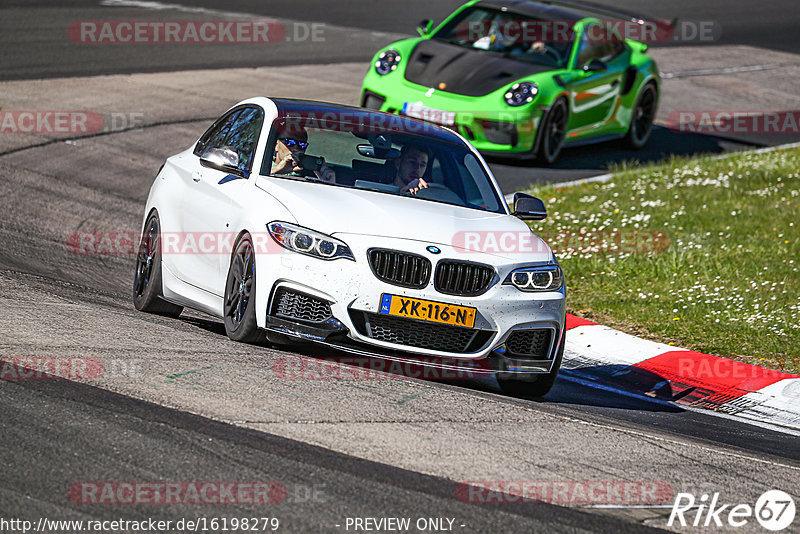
[[326, 173], [286, 165], [291, 162], [414, 186], [538, 46]]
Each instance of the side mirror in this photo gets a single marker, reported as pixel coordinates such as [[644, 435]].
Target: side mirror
[[595, 65], [224, 159], [424, 27], [528, 208]]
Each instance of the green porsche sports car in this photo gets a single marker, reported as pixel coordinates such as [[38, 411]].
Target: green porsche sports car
[[522, 78]]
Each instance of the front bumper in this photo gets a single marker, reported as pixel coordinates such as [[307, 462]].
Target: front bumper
[[354, 293], [499, 129]]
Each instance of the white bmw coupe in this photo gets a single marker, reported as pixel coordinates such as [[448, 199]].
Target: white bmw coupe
[[372, 233]]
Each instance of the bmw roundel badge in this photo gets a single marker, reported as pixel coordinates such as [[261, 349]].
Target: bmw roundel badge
[[433, 250]]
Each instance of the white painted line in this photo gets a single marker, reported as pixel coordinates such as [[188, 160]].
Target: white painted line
[[725, 70], [769, 149], [628, 506], [145, 4], [754, 421], [600, 178], [156, 5]]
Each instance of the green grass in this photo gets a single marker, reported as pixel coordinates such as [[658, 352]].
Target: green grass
[[707, 257]]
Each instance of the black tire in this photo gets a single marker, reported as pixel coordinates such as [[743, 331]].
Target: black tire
[[553, 132], [147, 288], [239, 306], [644, 113], [539, 387]]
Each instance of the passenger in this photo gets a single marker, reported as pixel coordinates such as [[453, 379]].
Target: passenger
[[411, 167]]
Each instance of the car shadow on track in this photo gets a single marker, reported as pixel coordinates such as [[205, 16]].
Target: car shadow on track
[[209, 325], [571, 388], [604, 386]]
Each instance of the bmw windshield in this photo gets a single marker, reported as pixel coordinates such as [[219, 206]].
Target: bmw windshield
[[383, 158]]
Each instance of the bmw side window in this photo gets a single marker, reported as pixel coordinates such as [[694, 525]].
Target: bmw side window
[[238, 130], [215, 136], [437, 175], [243, 135]]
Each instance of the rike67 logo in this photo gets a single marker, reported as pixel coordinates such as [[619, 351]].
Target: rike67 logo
[[774, 510]]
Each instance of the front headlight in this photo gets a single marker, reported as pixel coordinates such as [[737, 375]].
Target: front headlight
[[308, 242], [539, 278], [521, 93], [387, 62]]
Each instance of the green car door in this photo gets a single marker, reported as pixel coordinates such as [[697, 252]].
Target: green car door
[[595, 82]]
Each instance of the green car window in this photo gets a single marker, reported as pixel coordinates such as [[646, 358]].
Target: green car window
[[513, 35]]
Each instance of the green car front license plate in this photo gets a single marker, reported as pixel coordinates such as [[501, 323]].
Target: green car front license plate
[[418, 111]]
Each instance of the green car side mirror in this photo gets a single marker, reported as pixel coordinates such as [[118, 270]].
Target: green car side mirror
[[595, 65], [424, 27]]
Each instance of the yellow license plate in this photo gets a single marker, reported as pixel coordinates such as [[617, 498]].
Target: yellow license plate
[[428, 310]]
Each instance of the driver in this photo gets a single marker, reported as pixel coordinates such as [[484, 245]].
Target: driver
[[287, 158], [410, 168], [556, 50]]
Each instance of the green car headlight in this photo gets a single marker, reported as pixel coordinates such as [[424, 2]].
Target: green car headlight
[[521, 93], [539, 278], [387, 62], [308, 242]]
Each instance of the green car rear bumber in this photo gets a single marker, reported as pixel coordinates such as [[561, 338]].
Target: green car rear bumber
[[599, 104]]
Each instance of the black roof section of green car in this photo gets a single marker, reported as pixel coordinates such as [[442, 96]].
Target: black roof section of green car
[[537, 10]]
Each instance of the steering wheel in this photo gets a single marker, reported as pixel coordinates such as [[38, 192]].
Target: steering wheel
[[440, 192], [555, 54]]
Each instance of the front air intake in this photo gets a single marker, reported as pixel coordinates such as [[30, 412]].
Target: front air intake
[[463, 279], [400, 268]]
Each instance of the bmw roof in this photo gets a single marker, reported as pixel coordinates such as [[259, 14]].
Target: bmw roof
[[338, 116]]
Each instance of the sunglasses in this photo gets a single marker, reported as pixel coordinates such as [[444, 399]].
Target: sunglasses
[[294, 142]]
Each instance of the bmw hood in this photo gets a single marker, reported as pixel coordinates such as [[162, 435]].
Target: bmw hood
[[465, 71], [338, 210]]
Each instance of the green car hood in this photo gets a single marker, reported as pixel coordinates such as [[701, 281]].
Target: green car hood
[[465, 71]]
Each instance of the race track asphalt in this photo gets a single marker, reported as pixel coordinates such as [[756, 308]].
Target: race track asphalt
[[179, 402]]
